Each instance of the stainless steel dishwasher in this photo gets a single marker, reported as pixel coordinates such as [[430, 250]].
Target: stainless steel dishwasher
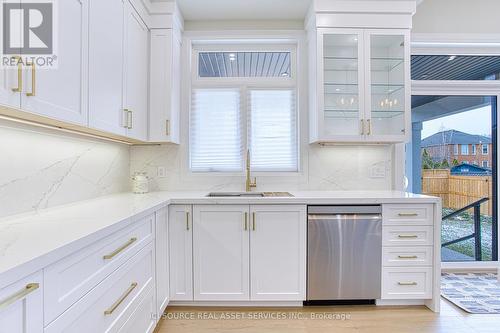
[[344, 258]]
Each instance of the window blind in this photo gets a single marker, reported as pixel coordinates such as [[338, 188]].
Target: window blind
[[273, 130], [215, 131]]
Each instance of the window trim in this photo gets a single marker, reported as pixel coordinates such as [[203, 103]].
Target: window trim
[[244, 84], [462, 150], [487, 149], [473, 150]]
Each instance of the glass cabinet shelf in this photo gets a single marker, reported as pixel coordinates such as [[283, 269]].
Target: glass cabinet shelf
[[353, 114]]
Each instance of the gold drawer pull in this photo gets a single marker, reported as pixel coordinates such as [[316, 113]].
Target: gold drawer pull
[[407, 283], [253, 221], [33, 79], [407, 236], [121, 299], [246, 221], [407, 257], [19, 87], [120, 249], [407, 214], [30, 287], [187, 221]]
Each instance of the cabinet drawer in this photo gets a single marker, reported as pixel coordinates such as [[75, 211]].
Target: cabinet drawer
[[407, 235], [407, 283], [21, 305], [108, 306], [141, 319], [67, 280], [408, 214], [407, 256]]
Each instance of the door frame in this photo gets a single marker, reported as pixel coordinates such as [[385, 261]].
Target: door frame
[[469, 44]]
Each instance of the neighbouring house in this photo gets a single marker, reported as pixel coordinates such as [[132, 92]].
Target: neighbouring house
[[459, 148], [469, 170]]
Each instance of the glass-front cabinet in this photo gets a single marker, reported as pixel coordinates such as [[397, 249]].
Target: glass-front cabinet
[[363, 85]]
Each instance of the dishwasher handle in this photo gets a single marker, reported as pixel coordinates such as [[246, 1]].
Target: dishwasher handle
[[352, 217], [343, 210]]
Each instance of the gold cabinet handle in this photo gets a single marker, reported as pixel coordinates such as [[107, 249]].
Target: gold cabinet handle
[[362, 127], [246, 221], [167, 127], [30, 287], [121, 299], [33, 79], [413, 283], [407, 257], [187, 220], [253, 221], [407, 236], [130, 117], [19, 74], [125, 118], [120, 249], [407, 214], [369, 121]]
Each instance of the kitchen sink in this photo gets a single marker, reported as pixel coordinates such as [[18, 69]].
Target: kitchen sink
[[248, 194]]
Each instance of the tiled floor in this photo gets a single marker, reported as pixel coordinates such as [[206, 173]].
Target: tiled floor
[[362, 319]]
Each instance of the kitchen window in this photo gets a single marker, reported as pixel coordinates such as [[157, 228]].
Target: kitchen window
[[243, 98], [464, 149]]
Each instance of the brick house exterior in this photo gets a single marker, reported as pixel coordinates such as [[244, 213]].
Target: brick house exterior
[[463, 147]]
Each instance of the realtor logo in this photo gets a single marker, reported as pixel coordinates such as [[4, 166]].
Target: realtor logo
[[28, 28], [28, 31]]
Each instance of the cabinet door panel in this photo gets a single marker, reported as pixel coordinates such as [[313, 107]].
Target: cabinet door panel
[[181, 252], [25, 315], [8, 82], [278, 252], [162, 264], [221, 252], [61, 92], [106, 66], [388, 84], [341, 83], [136, 73]]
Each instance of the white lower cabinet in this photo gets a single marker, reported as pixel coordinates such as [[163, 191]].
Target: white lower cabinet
[[243, 252], [108, 307], [161, 259], [21, 306], [278, 253], [180, 239], [221, 252], [408, 252]]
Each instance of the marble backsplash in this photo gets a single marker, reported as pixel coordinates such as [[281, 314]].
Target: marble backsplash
[[323, 168], [41, 168]]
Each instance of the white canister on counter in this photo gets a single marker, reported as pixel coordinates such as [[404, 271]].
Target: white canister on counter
[[140, 183]]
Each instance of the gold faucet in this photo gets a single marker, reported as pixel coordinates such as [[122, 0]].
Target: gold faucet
[[249, 182]]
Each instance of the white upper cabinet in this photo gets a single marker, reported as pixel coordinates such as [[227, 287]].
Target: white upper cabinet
[[106, 58], [58, 92], [165, 89], [359, 71], [136, 74], [10, 81], [363, 85], [220, 252]]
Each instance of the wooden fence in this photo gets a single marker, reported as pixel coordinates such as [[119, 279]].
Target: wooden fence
[[457, 191]]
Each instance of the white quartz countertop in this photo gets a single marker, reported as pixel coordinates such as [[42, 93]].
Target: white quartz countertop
[[29, 242]]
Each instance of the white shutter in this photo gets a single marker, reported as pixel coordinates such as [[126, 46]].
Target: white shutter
[[273, 130], [215, 131]]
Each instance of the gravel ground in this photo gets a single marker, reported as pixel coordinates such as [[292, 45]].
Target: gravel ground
[[463, 225]]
